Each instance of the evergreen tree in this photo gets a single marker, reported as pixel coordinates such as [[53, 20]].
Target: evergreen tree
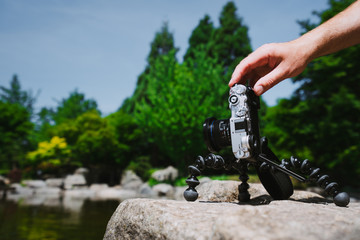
[[15, 95], [231, 40], [200, 38], [162, 44]]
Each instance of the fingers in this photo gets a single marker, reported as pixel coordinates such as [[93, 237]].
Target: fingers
[[256, 59], [270, 80]]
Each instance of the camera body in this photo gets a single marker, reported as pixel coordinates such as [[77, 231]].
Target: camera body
[[241, 131]]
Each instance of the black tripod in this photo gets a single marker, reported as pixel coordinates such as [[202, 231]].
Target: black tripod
[[273, 175]]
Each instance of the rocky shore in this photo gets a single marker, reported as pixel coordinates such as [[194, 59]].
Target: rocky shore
[[72, 190]]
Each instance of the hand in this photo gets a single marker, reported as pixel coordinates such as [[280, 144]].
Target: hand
[[270, 64]]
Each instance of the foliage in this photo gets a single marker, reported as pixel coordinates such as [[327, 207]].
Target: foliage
[[15, 95], [50, 155], [141, 166], [179, 98], [15, 126], [162, 44], [72, 107], [321, 120]]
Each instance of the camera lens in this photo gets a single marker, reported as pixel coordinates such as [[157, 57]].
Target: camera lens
[[216, 134]]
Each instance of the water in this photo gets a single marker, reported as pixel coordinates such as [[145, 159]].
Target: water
[[81, 220]]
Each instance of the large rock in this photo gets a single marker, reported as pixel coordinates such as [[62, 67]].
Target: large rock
[[55, 182], [168, 174], [74, 180], [34, 183], [131, 181], [305, 216]]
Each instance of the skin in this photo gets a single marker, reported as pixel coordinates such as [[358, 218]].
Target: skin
[[274, 62]]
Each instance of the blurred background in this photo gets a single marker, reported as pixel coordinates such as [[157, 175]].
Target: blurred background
[[94, 88]]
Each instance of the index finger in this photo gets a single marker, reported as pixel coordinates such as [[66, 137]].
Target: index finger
[[255, 59]]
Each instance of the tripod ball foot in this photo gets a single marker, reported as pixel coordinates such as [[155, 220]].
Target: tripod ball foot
[[342, 199], [190, 194]]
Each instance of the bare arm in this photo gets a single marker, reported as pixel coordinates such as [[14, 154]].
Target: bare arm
[[272, 63]]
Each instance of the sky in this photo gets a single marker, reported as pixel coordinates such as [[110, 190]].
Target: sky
[[100, 47]]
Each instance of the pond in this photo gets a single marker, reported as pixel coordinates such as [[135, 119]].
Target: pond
[[81, 220]]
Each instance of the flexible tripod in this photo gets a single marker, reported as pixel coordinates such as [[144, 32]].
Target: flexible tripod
[[241, 132]]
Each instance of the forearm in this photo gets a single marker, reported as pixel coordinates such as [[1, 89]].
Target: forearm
[[337, 33]]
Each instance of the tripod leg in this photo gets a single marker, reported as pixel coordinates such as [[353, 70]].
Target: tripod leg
[[244, 195], [211, 161]]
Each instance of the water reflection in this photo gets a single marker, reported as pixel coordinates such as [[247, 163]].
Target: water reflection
[[61, 218]]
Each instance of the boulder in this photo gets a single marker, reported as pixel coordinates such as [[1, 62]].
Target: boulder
[[34, 183], [74, 180], [131, 181], [146, 191], [164, 190], [115, 194], [55, 182], [81, 171], [168, 174], [305, 215]]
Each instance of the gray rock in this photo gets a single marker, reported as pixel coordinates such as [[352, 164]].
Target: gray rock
[[170, 173], [54, 182], [146, 191], [179, 193], [116, 194], [82, 193], [81, 171], [131, 181], [98, 186], [34, 183], [164, 190], [74, 180], [49, 192], [301, 218]]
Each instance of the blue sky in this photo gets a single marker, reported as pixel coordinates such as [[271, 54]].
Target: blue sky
[[100, 47]]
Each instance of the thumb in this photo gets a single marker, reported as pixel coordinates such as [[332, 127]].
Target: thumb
[[269, 80]]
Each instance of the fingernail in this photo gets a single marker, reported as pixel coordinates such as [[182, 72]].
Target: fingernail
[[230, 82], [259, 90]]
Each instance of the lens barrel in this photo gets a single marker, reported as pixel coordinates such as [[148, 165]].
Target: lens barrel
[[216, 134]]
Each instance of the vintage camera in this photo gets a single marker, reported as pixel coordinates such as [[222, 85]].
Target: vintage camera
[[241, 131]]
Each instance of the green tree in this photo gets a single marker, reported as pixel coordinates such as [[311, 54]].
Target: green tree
[[179, 98], [231, 40], [321, 120], [162, 44], [15, 95], [72, 107], [15, 127], [201, 38]]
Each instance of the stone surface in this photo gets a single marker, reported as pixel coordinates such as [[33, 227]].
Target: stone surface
[[55, 182], [74, 180], [167, 174], [164, 190], [131, 181], [305, 216], [34, 183]]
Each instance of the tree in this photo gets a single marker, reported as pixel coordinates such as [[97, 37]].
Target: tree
[[179, 98], [231, 40], [321, 120], [15, 126], [51, 156], [201, 38], [162, 44], [72, 107], [15, 95]]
